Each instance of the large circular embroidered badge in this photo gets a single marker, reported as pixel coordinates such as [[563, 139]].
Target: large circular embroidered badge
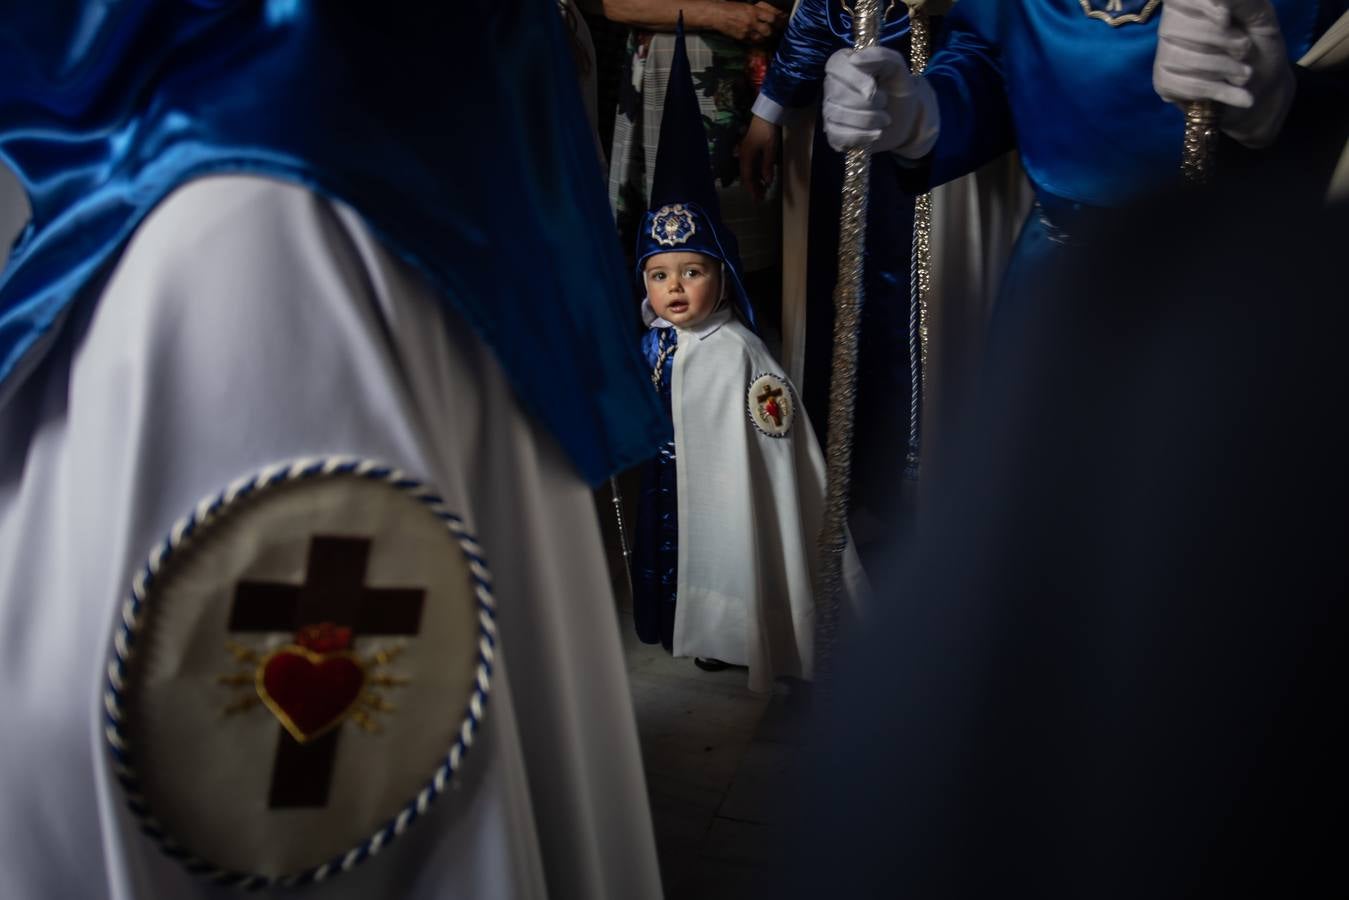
[[772, 406], [299, 670]]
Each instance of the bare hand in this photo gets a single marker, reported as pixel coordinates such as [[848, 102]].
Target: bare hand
[[752, 23], [758, 156]]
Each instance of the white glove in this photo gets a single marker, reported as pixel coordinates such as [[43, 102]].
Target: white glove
[[1232, 53], [871, 101]]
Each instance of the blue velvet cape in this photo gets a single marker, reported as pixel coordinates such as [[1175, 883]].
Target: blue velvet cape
[[455, 129], [1073, 94]]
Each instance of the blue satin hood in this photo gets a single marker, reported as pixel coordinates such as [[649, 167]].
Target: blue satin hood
[[685, 214], [454, 129]]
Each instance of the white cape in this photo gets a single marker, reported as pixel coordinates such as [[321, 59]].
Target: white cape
[[750, 510], [250, 321]]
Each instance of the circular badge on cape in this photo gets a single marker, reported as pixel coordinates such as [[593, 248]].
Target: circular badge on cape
[[673, 225], [772, 405], [299, 670]]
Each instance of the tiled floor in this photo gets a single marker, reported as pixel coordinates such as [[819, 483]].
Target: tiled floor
[[719, 767], [695, 728], [718, 760]]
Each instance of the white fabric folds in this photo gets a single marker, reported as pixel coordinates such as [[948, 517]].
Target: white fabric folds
[[251, 321]]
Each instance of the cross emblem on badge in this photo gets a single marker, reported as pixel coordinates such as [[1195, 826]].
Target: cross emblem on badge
[[768, 402], [313, 683], [771, 405], [315, 574]]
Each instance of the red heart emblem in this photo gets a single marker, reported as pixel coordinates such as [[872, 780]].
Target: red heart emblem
[[309, 693]]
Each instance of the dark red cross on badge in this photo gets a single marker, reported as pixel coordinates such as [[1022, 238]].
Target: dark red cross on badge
[[771, 408], [317, 680]]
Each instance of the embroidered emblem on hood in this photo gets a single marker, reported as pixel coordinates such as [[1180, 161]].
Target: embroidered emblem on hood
[[673, 225]]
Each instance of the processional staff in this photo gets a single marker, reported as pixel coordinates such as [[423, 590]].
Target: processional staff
[[843, 381], [1197, 166], [1201, 135], [920, 260]]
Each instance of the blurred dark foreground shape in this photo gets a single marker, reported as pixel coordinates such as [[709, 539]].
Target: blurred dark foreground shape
[[1113, 663]]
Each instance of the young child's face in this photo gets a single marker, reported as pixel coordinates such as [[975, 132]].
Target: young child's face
[[683, 287]]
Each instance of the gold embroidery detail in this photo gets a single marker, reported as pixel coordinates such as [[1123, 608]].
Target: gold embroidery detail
[[1116, 21], [384, 656], [361, 710], [362, 720], [314, 659], [243, 704], [241, 653], [669, 221]]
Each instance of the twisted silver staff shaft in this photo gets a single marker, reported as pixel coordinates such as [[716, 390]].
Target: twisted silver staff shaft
[[1201, 135], [843, 382], [920, 270]]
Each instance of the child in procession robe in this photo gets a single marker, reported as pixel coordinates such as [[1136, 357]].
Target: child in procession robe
[[211, 290], [731, 509]]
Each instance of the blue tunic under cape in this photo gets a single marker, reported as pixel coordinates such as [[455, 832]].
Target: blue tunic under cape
[[656, 542]]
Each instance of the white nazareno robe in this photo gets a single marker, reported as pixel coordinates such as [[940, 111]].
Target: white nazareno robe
[[250, 321]]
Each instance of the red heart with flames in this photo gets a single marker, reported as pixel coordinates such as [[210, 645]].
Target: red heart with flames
[[309, 693]]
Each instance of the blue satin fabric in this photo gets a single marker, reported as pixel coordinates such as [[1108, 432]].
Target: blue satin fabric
[[656, 542], [816, 30], [1073, 93], [454, 129]]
